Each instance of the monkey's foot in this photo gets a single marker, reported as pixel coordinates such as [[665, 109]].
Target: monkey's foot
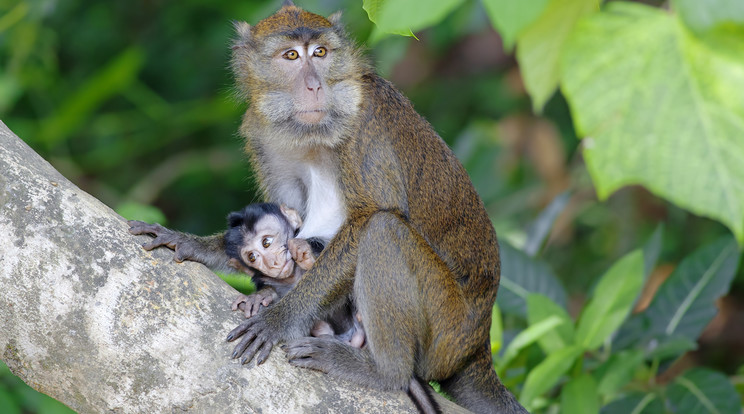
[[258, 338]]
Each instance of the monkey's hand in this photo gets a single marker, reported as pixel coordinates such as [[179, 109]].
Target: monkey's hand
[[258, 338], [301, 253], [177, 241], [250, 304]]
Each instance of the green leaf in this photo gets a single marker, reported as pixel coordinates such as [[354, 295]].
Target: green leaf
[[703, 15], [701, 391], [579, 396], [496, 332], [541, 227], [547, 374], [618, 371], [407, 16], [522, 275], [510, 17], [636, 403], [671, 348], [540, 308], [613, 299], [528, 337], [661, 108], [143, 212], [539, 46], [683, 305]]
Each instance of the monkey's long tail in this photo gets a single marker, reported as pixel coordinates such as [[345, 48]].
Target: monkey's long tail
[[422, 396]]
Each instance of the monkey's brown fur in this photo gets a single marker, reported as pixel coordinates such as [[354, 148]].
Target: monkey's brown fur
[[416, 249]]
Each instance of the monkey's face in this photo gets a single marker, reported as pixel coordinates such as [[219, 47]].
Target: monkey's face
[[265, 248], [302, 74]]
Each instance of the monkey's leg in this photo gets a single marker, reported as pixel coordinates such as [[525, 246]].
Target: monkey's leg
[[208, 250], [393, 264], [478, 388]]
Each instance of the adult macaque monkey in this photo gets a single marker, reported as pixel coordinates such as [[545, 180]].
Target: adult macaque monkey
[[410, 239]]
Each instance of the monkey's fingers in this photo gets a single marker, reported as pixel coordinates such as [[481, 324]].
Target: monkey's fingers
[[263, 353], [241, 329], [238, 301]]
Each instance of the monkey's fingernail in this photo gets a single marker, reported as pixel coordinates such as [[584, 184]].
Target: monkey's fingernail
[[243, 361]]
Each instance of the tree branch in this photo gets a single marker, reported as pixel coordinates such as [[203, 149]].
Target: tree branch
[[90, 318]]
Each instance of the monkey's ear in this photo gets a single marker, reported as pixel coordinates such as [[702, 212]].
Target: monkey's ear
[[244, 34], [292, 216], [234, 219], [288, 3], [335, 18]]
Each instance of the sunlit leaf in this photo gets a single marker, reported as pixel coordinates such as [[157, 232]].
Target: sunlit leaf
[[511, 17], [540, 46], [613, 299], [669, 115], [407, 16], [702, 15]]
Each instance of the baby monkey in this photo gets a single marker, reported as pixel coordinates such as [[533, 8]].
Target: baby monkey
[[260, 242]]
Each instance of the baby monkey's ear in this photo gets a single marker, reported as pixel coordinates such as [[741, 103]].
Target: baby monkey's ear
[[292, 216], [335, 18]]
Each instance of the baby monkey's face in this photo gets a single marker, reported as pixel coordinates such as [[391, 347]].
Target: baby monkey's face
[[265, 248]]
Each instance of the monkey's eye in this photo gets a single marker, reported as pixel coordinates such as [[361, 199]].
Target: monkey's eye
[[291, 55], [320, 52], [251, 257], [266, 242]]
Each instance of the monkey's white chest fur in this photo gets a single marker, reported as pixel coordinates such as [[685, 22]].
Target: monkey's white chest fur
[[324, 209]]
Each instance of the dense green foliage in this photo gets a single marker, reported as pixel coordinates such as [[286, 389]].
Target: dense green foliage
[[133, 102]]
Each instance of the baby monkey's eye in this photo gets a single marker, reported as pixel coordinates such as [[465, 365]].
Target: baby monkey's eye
[[266, 242], [251, 257], [320, 51], [291, 55]]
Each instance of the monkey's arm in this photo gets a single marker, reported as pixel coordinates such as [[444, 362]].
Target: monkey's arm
[[208, 250]]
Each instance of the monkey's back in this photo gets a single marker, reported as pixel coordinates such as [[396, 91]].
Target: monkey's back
[[424, 182]]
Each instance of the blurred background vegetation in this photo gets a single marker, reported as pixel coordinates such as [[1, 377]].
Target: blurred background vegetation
[[133, 102]]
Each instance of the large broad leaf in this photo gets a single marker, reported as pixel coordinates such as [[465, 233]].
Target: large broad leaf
[[702, 391], [617, 371], [702, 15], [683, 305], [407, 16], [613, 298], [662, 109], [511, 17], [540, 45], [635, 403], [522, 275]]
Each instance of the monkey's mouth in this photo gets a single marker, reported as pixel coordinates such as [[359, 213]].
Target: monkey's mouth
[[312, 116]]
